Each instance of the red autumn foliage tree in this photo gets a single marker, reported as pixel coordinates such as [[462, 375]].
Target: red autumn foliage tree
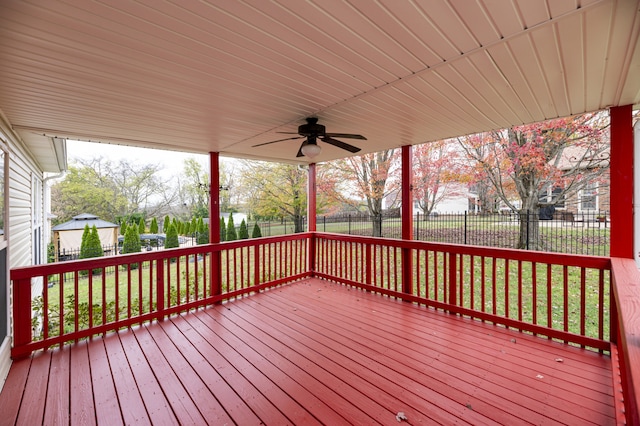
[[527, 161], [436, 173], [372, 176]]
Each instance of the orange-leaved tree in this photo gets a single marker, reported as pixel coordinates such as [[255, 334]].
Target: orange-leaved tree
[[537, 166]]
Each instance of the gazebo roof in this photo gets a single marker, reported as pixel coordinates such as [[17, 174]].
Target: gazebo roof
[[79, 222], [224, 76]]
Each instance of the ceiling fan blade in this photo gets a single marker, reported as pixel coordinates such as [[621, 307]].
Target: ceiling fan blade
[[340, 144], [279, 140], [345, 135]]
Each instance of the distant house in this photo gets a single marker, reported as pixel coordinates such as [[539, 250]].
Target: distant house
[[67, 237], [593, 196]]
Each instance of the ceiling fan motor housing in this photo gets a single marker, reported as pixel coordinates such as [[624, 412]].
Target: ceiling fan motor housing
[[312, 128]]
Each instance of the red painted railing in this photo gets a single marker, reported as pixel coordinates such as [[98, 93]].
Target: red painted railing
[[105, 294], [565, 297]]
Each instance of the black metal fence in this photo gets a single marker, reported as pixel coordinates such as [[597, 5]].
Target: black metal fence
[[563, 232], [74, 254]]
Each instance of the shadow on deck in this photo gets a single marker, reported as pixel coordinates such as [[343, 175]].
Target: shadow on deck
[[312, 352]]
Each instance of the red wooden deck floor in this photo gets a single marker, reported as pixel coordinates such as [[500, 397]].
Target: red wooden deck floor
[[310, 353]]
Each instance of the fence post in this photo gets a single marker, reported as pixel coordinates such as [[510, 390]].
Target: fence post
[[527, 229], [256, 265], [312, 254], [453, 296], [465, 227], [160, 302], [22, 312], [368, 264], [349, 223], [215, 270]]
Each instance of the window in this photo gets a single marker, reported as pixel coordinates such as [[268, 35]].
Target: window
[[552, 195], [3, 169], [589, 197], [37, 219], [4, 291], [557, 197]]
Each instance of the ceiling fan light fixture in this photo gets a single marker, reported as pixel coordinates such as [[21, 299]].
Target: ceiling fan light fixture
[[311, 150]]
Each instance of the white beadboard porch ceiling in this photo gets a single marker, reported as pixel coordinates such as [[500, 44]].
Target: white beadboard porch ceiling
[[224, 75]]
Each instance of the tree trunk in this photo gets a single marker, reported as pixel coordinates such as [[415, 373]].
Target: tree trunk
[[376, 222], [298, 223], [529, 235]]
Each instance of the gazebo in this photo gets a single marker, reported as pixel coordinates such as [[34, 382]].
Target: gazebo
[[67, 237]]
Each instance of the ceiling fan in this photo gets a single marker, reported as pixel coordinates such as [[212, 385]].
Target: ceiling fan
[[313, 131]]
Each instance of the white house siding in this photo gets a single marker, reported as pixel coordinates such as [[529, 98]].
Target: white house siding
[[19, 229]]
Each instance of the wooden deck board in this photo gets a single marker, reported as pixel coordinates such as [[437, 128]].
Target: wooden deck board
[[129, 398], [173, 371], [13, 390], [407, 347], [313, 352], [309, 369], [82, 410], [103, 388], [57, 404], [387, 367], [284, 374], [35, 390]]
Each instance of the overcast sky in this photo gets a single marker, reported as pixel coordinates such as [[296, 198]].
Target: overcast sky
[[172, 161]]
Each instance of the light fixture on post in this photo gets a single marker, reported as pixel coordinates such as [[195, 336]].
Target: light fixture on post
[[311, 148]]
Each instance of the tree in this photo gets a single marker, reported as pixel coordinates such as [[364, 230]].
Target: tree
[[256, 233], [165, 224], [276, 190], [171, 240], [195, 188], [84, 239], [435, 174], [153, 228], [373, 174], [90, 245], [231, 230], [526, 162], [131, 243], [193, 226], [84, 190], [140, 184], [243, 232], [110, 190], [203, 232], [141, 227], [223, 230], [123, 228]]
